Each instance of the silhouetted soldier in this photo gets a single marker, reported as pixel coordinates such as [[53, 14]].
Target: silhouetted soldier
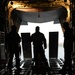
[[39, 44], [12, 41], [68, 48]]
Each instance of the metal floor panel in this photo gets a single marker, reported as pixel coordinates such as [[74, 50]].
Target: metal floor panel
[[26, 68]]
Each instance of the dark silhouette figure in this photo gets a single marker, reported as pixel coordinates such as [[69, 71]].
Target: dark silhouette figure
[[68, 48], [39, 44], [12, 41]]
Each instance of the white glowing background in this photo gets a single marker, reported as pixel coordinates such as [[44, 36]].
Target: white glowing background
[[45, 28]]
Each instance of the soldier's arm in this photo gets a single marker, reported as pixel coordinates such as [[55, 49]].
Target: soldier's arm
[[45, 43]]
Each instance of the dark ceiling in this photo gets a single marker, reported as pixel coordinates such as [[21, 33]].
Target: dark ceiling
[[43, 16]]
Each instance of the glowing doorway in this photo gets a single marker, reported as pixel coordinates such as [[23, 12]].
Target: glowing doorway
[[45, 28]]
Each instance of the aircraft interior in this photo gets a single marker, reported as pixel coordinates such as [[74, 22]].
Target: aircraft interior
[[49, 15]]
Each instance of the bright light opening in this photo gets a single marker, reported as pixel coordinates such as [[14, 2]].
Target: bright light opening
[[45, 28]]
